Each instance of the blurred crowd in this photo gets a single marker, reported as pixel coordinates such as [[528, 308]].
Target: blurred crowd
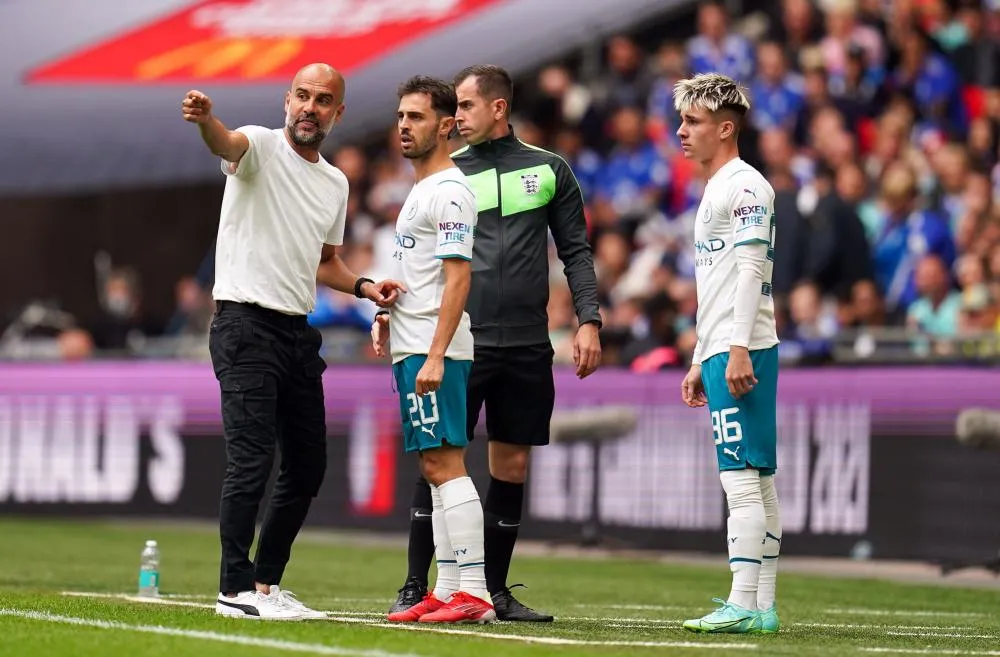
[[876, 122]]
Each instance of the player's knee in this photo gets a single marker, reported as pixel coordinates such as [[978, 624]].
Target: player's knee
[[442, 465], [742, 488], [510, 466], [768, 491]]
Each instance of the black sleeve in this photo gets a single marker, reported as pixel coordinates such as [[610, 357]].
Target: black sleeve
[[569, 229]]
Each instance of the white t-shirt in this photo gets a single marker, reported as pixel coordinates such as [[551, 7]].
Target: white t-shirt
[[436, 222], [736, 210], [278, 211]]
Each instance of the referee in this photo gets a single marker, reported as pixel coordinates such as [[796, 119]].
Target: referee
[[282, 219], [522, 193]]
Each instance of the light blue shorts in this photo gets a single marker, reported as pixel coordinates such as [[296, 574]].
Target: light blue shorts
[[745, 429], [437, 418]]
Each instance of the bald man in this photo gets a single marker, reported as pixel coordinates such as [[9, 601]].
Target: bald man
[[282, 219]]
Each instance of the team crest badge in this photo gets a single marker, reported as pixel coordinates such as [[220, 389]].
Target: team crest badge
[[706, 216], [412, 213], [530, 183]]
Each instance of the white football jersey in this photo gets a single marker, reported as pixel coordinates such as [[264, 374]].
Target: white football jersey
[[437, 222], [737, 209]]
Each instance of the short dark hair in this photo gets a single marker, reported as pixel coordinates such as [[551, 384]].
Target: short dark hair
[[443, 100], [492, 81]]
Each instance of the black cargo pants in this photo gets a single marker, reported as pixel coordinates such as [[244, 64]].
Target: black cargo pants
[[270, 372]]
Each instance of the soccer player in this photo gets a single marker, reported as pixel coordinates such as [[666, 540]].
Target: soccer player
[[735, 365], [522, 192], [432, 349]]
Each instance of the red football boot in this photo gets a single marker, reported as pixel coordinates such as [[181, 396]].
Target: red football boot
[[428, 605], [462, 608]]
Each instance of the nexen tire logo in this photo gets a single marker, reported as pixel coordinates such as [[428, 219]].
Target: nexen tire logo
[[751, 215]]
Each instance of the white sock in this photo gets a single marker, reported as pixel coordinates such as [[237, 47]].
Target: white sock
[[447, 568], [772, 545], [746, 533], [464, 518]]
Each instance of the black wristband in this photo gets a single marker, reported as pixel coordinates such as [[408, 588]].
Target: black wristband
[[357, 286]]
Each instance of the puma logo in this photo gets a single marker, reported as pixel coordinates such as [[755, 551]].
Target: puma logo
[[428, 429], [735, 454], [457, 205]]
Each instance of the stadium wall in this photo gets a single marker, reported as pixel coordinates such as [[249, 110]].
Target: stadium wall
[[867, 456]]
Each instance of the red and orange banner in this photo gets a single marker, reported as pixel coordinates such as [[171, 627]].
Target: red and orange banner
[[255, 41]]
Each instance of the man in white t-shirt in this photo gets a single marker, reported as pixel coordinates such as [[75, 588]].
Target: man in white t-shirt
[[735, 364], [432, 349], [282, 220]]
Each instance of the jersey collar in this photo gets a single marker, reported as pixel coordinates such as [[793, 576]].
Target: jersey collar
[[504, 144]]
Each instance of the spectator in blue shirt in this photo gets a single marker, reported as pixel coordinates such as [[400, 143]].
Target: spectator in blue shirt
[[662, 119], [908, 234], [633, 182], [777, 95], [934, 84], [585, 163], [716, 49]]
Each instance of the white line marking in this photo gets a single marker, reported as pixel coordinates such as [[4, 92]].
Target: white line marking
[[376, 619], [945, 636], [556, 641], [866, 626], [257, 642], [931, 651], [902, 612], [136, 598], [189, 596], [634, 607]]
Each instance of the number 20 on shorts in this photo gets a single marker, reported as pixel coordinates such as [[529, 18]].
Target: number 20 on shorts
[[418, 407], [726, 430]]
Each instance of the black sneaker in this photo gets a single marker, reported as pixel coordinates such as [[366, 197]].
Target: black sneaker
[[509, 609], [412, 592]]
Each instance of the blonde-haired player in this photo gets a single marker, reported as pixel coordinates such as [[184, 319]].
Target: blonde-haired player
[[735, 364]]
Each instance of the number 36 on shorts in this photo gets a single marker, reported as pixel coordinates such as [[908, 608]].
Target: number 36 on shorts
[[726, 430]]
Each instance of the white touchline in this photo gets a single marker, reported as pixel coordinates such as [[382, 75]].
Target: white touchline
[[946, 636], [376, 618], [190, 596], [257, 642], [136, 598], [556, 641], [901, 612], [868, 626], [931, 651], [633, 607]]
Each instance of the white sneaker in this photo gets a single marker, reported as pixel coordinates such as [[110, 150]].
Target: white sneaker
[[254, 605], [288, 600]]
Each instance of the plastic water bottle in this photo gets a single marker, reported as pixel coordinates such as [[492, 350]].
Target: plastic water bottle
[[149, 571]]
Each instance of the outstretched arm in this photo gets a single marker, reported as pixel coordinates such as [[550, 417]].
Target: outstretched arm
[[230, 145]]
